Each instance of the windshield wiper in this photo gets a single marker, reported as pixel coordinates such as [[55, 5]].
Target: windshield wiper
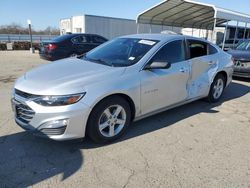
[[100, 61], [81, 56]]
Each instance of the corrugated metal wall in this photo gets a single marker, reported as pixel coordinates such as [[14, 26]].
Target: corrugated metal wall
[[109, 27]]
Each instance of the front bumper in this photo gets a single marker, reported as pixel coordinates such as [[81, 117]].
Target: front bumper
[[241, 69], [41, 122], [242, 72]]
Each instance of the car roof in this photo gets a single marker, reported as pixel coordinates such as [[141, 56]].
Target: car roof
[[162, 37], [159, 37]]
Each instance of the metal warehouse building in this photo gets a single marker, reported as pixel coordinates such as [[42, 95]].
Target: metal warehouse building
[[106, 26]]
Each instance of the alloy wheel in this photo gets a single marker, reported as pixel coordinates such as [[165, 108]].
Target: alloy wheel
[[112, 120], [218, 88]]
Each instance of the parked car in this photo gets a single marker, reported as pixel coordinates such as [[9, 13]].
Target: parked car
[[123, 80], [69, 45], [229, 44], [241, 56]]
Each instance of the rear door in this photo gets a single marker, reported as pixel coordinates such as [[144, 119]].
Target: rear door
[[81, 44], [164, 87], [203, 61]]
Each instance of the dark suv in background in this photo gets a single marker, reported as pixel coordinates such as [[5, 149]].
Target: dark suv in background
[[69, 45]]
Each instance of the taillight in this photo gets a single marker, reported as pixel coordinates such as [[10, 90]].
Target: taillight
[[51, 47]]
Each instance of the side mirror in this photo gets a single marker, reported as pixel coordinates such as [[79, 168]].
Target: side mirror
[[158, 65]]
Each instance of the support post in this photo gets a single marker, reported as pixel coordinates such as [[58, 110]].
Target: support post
[[214, 34], [30, 33], [225, 35], [150, 29], [206, 34], [236, 32], [138, 25], [244, 36]]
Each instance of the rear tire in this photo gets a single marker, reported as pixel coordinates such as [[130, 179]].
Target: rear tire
[[109, 120], [217, 88]]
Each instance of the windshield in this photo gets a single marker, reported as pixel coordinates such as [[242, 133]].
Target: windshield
[[120, 52], [244, 46]]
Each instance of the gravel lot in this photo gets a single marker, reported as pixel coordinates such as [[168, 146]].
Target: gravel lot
[[196, 145]]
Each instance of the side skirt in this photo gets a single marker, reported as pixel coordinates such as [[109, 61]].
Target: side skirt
[[167, 108]]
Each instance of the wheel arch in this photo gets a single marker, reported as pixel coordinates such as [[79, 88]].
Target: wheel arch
[[224, 74], [122, 95]]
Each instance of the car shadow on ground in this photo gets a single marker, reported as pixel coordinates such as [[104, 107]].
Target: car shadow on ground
[[26, 160]]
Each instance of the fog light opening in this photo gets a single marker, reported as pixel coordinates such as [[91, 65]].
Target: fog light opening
[[54, 124]]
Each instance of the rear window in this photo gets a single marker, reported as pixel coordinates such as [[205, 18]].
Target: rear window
[[97, 39], [212, 49], [62, 38]]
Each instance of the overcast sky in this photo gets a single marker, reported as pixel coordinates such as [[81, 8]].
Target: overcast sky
[[45, 13]]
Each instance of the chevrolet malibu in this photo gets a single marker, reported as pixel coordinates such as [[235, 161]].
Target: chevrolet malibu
[[123, 80]]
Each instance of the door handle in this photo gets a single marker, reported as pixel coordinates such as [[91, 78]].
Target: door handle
[[211, 62], [183, 70]]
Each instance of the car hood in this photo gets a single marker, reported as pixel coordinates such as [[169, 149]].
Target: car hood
[[240, 54], [67, 76]]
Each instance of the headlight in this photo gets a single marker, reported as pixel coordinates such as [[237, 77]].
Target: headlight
[[59, 100]]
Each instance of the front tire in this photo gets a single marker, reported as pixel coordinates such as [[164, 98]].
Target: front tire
[[217, 88], [109, 120]]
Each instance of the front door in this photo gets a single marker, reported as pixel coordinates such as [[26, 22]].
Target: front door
[[164, 87]]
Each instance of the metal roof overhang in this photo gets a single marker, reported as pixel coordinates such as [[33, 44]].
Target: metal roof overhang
[[189, 14]]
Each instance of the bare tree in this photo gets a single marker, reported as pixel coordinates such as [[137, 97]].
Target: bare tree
[[15, 28]]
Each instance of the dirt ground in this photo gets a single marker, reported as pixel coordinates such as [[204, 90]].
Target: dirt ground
[[196, 145]]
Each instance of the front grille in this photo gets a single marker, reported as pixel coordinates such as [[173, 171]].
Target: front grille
[[241, 64], [24, 94], [23, 112], [53, 131]]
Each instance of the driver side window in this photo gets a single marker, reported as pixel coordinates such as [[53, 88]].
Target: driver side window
[[172, 52]]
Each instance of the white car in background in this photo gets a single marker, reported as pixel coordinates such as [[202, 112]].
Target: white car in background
[[123, 80]]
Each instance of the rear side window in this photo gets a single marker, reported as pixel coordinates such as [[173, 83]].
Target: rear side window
[[97, 39], [80, 39], [197, 48], [172, 52], [211, 49]]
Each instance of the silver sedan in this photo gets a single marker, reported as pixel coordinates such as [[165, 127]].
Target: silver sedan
[[123, 80]]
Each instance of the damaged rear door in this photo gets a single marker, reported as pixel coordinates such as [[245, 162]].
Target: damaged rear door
[[204, 63]]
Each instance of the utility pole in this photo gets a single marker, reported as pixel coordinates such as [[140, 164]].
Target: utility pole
[[32, 50]]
